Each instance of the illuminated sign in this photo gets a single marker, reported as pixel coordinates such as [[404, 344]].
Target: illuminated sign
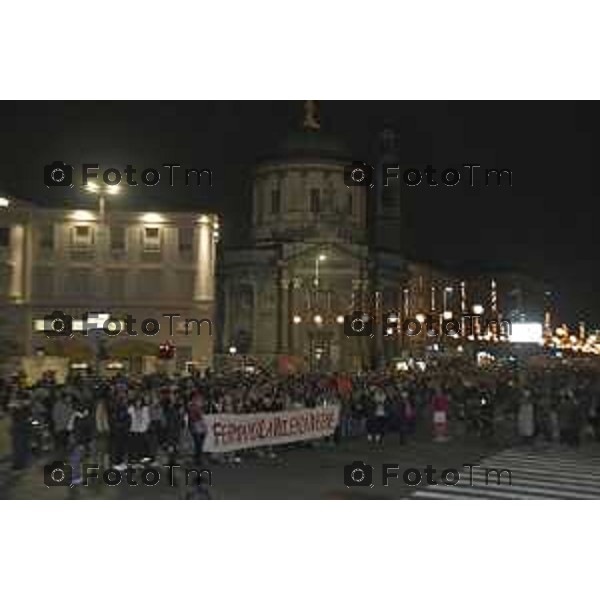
[[527, 333]]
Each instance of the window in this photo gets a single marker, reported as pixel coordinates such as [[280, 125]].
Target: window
[[389, 197], [117, 238], [82, 235], [4, 237], [43, 282], [151, 239], [328, 203], [349, 204], [77, 283], [315, 200], [150, 284], [185, 285], [47, 236], [116, 284], [275, 201], [5, 274], [186, 239]]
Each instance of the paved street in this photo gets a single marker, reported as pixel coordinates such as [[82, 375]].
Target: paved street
[[318, 473], [543, 474], [296, 473]]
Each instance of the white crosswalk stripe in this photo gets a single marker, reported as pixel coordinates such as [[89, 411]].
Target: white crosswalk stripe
[[534, 475]]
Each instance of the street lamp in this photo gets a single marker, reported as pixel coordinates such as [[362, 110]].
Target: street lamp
[[447, 290], [4, 202], [232, 350], [297, 319], [477, 309], [100, 191], [319, 259]]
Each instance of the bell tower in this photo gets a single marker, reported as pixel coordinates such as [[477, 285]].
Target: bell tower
[[388, 213]]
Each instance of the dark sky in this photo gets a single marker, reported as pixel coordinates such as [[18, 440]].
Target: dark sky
[[547, 224]]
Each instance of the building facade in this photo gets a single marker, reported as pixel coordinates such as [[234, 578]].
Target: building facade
[[312, 262], [117, 264], [307, 262]]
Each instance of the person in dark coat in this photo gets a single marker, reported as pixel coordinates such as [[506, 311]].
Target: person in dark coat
[[119, 431], [173, 425], [21, 432]]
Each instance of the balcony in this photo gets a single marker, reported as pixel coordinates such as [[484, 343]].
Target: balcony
[[81, 253]]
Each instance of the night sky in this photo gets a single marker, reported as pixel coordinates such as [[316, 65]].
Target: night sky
[[545, 225]]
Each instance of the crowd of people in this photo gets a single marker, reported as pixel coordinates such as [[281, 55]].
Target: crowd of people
[[130, 419]]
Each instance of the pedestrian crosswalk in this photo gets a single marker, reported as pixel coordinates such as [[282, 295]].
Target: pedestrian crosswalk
[[532, 475]]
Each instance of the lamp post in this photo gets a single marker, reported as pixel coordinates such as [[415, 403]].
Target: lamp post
[[319, 259], [447, 292], [478, 311], [100, 192], [233, 353]]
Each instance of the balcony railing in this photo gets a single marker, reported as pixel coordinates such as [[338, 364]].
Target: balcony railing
[[81, 253]]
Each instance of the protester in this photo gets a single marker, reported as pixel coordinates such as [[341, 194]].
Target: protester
[[143, 418], [197, 427], [21, 435], [138, 432], [61, 417], [526, 418], [378, 416], [102, 432], [156, 431], [120, 421]]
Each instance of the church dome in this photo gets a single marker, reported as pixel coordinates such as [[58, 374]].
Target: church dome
[[311, 145]]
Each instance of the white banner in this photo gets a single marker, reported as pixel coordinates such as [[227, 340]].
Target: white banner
[[227, 432]]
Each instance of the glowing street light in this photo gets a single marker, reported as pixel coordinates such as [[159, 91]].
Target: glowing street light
[[297, 319], [318, 319], [319, 259], [477, 309], [447, 291], [4, 202], [420, 317], [232, 350], [100, 191]]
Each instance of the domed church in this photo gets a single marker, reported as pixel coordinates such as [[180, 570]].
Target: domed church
[[311, 260]]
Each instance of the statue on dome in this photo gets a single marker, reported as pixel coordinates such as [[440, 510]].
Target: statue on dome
[[312, 120]]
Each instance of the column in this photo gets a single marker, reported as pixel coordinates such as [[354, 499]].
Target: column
[[17, 257], [204, 280], [283, 296]]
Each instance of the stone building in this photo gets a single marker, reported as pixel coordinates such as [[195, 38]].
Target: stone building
[[312, 260], [307, 262], [113, 263]]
